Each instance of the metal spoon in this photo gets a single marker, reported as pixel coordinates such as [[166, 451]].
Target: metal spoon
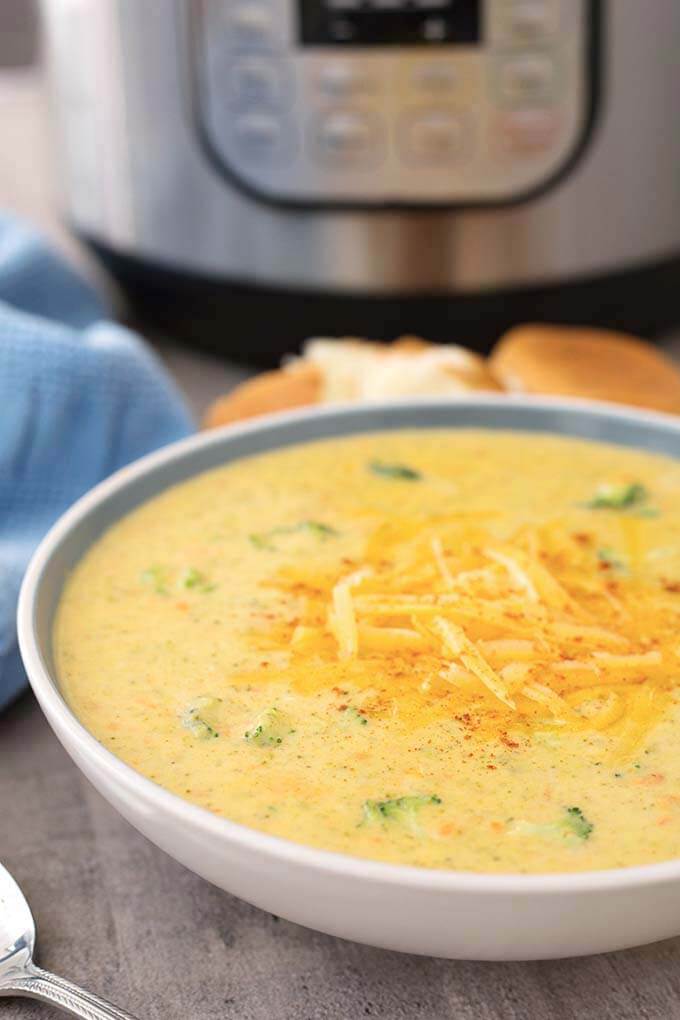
[[20, 976]]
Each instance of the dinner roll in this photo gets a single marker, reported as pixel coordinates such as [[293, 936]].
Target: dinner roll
[[581, 362], [333, 371], [362, 370], [282, 390]]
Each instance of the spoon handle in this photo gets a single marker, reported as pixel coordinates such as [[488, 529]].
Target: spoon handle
[[35, 983]]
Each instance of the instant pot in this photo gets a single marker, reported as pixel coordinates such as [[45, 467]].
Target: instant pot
[[257, 171]]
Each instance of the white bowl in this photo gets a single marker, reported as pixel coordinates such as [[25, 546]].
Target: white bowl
[[439, 913]]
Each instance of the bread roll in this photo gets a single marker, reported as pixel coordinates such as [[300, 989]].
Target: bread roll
[[337, 371], [281, 390], [590, 363]]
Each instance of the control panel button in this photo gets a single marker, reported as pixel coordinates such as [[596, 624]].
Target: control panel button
[[251, 24], [529, 131], [347, 137], [443, 79], [262, 137], [258, 81], [436, 77], [435, 137], [340, 80], [527, 79], [388, 120], [528, 22]]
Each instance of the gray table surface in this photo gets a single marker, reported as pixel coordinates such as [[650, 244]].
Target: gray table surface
[[122, 918]]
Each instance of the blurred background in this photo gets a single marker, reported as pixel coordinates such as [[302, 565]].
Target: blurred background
[[30, 188], [243, 174]]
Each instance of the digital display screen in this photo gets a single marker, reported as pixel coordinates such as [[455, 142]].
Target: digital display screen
[[389, 22]]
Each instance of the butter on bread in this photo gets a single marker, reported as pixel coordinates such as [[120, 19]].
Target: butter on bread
[[591, 363], [362, 370], [337, 371]]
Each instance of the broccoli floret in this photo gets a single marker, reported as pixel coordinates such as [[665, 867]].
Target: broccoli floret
[[159, 578], [264, 539], [319, 529], [355, 715], [611, 558], [261, 540], [156, 578], [402, 810], [572, 825], [270, 729], [577, 822], [399, 471], [194, 717], [618, 497], [192, 578]]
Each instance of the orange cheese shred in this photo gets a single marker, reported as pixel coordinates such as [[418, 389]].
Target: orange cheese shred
[[537, 621]]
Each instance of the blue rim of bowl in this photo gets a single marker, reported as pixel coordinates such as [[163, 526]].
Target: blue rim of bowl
[[338, 865]]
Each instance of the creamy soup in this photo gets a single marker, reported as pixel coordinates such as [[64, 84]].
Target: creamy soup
[[450, 649]]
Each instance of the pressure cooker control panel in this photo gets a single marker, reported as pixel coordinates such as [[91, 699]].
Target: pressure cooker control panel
[[413, 102]]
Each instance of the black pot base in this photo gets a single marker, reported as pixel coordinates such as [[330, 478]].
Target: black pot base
[[258, 325]]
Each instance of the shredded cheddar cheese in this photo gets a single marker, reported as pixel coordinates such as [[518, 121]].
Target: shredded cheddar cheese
[[535, 625], [342, 616]]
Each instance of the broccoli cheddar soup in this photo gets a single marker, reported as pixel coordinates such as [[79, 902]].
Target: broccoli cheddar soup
[[450, 649]]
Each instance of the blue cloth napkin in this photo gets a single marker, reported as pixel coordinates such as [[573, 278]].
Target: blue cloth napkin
[[79, 397]]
